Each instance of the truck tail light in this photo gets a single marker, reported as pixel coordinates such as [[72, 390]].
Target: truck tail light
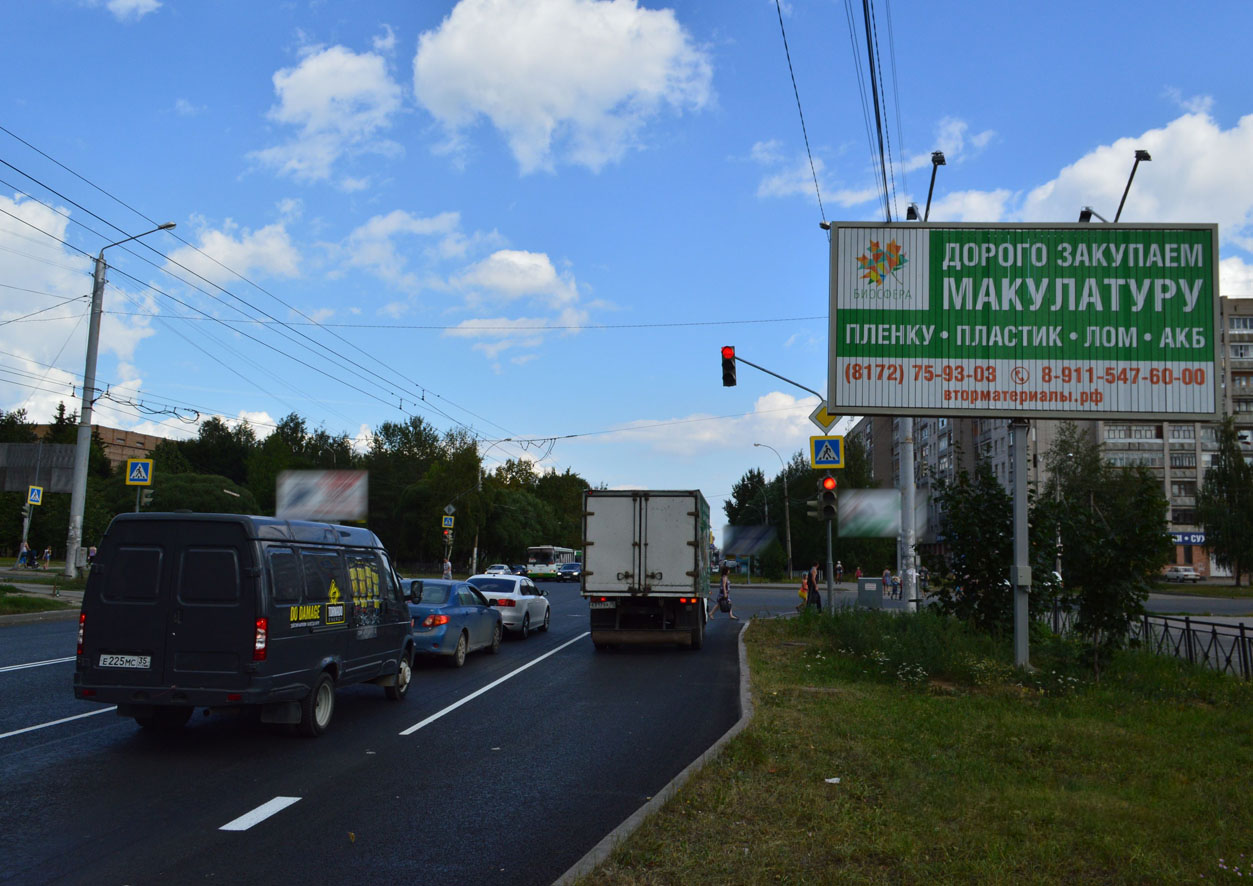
[[434, 620], [261, 639], [82, 622]]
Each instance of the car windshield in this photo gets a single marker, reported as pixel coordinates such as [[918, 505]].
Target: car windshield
[[570, 567], [495, 585]]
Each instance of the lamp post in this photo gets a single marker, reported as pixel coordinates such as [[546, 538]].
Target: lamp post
[[787, 520], [1140, 155], [474, 555], [937, 160], [82, 445]]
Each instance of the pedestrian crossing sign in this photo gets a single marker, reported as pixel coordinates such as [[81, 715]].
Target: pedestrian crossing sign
[[35, 495], [826, 452], [139, 472], [446, 522]]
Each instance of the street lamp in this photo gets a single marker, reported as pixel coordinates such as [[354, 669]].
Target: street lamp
[[787, 519], [82, 445], [1140, 155], [937, 160]]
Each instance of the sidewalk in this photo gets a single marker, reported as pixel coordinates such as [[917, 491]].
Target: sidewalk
[[14, 577]]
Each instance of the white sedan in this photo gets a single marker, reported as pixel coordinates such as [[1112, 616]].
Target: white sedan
[[523, 607], [498, 569]]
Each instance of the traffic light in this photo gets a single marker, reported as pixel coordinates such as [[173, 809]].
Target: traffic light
[[145, 497], [728, 366], [25, 510], [826, 496]]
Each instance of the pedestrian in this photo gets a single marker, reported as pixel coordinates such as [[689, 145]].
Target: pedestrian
[[859, 575], [48, 557], [803, 593], [23, 551], [813, 599], [724, 595], [91, 555], [447, 568], [924, 579], [839, 571], [896, 586]]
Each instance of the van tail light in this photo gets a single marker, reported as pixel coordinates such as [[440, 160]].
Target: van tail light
[[82, 621], [261, 639], [504, 601], [432, 621]]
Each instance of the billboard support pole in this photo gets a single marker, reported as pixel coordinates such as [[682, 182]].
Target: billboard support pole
[[1020, 574], [906, 566]]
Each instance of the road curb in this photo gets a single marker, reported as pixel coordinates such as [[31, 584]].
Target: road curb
[[601, 850], [28, 617]]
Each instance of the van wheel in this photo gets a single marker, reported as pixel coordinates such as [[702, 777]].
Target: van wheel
[[404, 676], [525, 630], [547, 615], [164, 719], [459, 654], [494, 649], [317, 707]]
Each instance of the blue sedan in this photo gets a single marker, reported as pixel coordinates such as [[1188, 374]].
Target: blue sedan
[[451, 618]]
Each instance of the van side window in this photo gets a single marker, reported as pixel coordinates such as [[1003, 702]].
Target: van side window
[[134, 574], [367, 586], [324, 576], [285, 581], [209, 575]]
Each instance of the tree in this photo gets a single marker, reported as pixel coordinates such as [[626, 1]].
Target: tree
[[1224, 504], [14, 427], [221, 449], [1112, 525]]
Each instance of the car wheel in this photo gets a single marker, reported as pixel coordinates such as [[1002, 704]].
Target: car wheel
[[525, 630], [317, 707], [459, 654], [404, 676], [547, 615], [496, 632]]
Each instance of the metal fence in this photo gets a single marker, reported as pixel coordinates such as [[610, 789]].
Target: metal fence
[[1224, 647]]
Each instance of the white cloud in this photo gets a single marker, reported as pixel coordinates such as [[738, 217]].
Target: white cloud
[[132, 9], [339, 101], [1195, 104], [385, 42], [184, 108], [1235, 278], [1199, 173], [777, 417], [374, 245], [511, 273], [575, 78], [244, 252], [973, 206]]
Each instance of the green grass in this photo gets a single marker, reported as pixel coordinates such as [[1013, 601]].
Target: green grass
[[1205, 589], [13, 602], [953, 767]]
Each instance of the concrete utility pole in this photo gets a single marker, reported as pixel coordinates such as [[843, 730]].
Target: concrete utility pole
[[908, 572], [82, 445]]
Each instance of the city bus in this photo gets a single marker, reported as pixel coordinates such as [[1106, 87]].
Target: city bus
[[542, 560]]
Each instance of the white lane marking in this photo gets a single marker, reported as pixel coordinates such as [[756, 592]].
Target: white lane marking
[[260, 814], [492, 685], [36, 664], [62, 720]]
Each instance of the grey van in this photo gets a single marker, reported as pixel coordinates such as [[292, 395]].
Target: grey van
[[185, 610]]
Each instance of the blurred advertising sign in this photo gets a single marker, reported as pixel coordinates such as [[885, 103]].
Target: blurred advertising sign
[[870, 513], [330, 496], [1031, 320]]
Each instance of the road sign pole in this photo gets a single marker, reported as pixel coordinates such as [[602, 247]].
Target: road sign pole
[[830, 571], [137, 490]]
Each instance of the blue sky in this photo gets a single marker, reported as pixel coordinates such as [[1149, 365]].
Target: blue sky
[[541, 218]]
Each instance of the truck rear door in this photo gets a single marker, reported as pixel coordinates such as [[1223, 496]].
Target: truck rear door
[[669, 525]]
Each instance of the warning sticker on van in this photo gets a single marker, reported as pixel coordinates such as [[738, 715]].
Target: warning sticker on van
[[335, 613], [306, 615]]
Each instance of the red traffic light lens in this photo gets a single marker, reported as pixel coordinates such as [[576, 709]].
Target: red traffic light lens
[[728, 352], [828, 483]]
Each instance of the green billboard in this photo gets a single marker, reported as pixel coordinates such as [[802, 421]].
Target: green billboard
[[1019, 319]]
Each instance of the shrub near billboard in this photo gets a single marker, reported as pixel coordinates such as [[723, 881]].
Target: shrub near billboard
[[1043, 321]]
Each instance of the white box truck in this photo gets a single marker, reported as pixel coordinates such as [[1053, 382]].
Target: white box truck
[[646, 566]]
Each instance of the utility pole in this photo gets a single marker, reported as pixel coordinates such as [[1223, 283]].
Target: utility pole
[[82, 444]]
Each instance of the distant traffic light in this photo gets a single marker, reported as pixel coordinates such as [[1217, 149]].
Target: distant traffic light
[[728, 366], [145, 497], [826, 496]]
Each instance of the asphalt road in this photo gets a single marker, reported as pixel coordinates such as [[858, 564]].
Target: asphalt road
[[506, 783]]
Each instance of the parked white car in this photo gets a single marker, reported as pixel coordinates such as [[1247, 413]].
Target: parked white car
[[523, 607], [1182, 574]]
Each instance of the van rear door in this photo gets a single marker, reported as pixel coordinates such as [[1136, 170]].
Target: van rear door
[[213, 608]]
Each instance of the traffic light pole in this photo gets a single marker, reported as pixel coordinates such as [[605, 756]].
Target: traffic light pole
[[830, 572], [738, 359]]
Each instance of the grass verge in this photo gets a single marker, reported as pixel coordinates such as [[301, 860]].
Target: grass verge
[[906, 750], [14, 602]]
